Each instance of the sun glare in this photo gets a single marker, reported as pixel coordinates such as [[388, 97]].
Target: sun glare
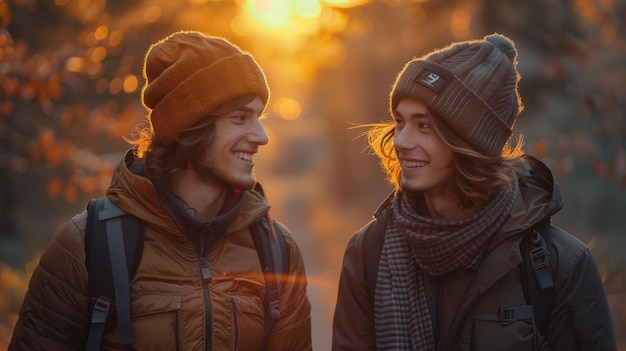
[[346, 3], [288, 108], [273, 14], [290, 16]]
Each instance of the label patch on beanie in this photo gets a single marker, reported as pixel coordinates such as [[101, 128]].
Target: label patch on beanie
[[432, 80]]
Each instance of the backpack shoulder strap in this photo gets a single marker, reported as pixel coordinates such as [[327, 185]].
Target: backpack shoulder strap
[[113, 245], [274, 258], [374, 247], [374, 240], [537, 273]]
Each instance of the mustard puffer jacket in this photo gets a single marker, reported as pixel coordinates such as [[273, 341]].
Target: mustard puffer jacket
[[172, 308]]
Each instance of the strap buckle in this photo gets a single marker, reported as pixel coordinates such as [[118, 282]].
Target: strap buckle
[[507, 314], [539, 258], [100, 310]]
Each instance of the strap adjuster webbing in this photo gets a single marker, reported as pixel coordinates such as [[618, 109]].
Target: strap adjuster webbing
[[509, 314], [100, 310]]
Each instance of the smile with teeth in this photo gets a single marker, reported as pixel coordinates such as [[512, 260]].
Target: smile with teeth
[[412, 163], [245, 156]]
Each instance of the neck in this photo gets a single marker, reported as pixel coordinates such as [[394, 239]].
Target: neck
[[203, 200], [449, 208]]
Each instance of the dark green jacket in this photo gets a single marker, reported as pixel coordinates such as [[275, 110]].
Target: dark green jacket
[[580, 318]]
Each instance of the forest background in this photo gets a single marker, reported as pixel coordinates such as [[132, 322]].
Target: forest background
[[71, 77]]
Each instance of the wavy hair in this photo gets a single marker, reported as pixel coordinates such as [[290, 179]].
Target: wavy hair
[[164, 163], [476, 177]]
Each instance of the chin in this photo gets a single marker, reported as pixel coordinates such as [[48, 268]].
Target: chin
[[243, 184], [407, 187]]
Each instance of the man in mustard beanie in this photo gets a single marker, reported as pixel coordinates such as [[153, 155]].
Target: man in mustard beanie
[[463, 254], [214, 271]]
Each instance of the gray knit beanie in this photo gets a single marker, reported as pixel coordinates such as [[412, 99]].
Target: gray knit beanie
[[471, 85]]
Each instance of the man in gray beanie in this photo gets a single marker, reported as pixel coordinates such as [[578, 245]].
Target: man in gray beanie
[[463, 254]]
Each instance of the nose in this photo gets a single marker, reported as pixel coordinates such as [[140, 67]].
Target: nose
[[259, 135], [404, 139]]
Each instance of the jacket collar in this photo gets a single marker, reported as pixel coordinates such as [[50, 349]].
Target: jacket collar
[[137, 195]]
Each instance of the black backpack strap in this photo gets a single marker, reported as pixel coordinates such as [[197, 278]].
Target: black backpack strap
[[274, 258], [113, 244], [375, 237], [537, 274], [508, 314], [374, 247]]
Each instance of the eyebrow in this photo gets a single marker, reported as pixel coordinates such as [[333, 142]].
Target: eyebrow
[[414, 115], [242, 109], [245, 109]]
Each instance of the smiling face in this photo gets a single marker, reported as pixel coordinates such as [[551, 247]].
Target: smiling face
[[426, 160], [229, 159]]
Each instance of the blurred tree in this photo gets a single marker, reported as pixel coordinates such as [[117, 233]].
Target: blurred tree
[[68, 92]]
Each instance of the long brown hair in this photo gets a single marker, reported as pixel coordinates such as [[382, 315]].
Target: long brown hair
[[477, 177], [163, 163]]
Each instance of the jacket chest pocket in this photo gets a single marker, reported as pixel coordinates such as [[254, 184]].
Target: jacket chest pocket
[[248, 315], [248, 320], [156, 324], [511, 330]]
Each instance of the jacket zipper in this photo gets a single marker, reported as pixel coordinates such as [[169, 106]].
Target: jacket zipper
[[459, 320], [206, 280], [439, 310]]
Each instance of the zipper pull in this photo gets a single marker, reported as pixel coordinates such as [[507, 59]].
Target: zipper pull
[[206, 272]]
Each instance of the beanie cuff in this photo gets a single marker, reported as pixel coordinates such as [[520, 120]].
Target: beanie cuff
[[203, 92]]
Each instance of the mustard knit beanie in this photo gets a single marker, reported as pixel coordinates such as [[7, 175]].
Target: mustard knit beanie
[[189, 74], [472, 86]]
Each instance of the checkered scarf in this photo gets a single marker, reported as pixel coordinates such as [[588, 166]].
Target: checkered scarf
[[415, 243]]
